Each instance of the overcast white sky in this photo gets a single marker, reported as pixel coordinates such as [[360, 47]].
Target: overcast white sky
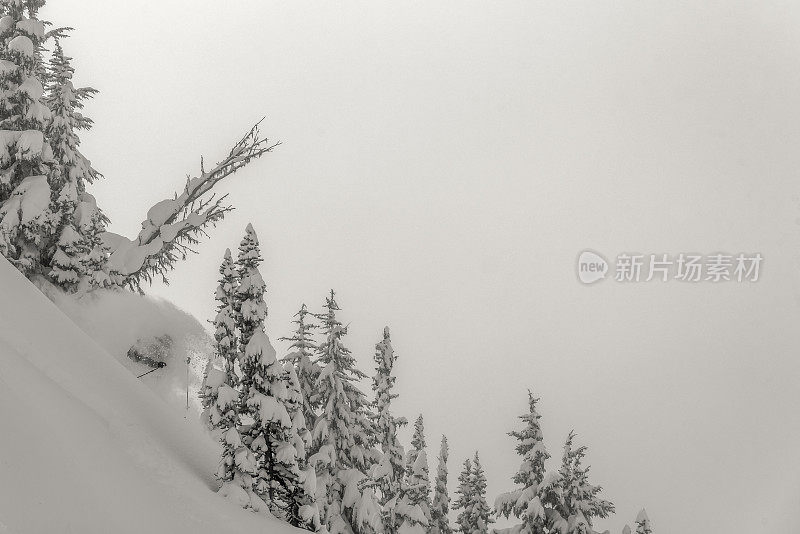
[[442, 165]]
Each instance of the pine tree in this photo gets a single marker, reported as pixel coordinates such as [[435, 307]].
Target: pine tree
[[388, 477], [303, 510], [225, 321], [74, 170], [270, 434], [65, 102], [263, 384], [464, 498], [579, 500], [302, 349], [643, 523], [224, 344], [414, 509], [525, 502], [250, 310], [480, 513], [440, 508], [341, 434], [239, 465], [29, 174]]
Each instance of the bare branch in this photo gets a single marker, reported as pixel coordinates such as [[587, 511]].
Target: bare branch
[[175, 224]]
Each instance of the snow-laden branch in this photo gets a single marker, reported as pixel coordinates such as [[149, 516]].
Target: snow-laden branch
[[174, 225]]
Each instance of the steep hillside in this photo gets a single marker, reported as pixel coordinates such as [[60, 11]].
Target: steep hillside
[[85, 447]]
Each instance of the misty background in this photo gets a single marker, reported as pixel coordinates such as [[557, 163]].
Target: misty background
[[443, 163]]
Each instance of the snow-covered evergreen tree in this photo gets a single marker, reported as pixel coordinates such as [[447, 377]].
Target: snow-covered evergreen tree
[[463, 502], [303, 511], [475, 515], [29, 174], [579, 501], [643, 523], [65, 102], [240, 466], [480, 512], [525, 502], [342, 436], [440, 507], [263, 383], [225, 321], [270, 433], [626, 529], [250, 310], [414, 509], [301, 353], [388, 476], [74, 170], [224, 344]]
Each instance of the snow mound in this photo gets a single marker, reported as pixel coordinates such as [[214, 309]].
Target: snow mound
[[86, 447]]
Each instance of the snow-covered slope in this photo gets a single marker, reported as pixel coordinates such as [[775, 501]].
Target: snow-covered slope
[[87, 448]]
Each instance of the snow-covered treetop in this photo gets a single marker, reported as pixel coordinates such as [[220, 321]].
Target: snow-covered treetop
[[300, 358], [332, 351], [249, 250], [250, 290], [478, 476], [301, 340], [643, 523], [464, 490], [418, 440], [530, 447], [65, 101], [580, 498], [443, 451], [227, 281], [383, 381]]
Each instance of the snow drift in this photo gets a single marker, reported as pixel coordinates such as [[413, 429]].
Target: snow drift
[[85, 447]]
